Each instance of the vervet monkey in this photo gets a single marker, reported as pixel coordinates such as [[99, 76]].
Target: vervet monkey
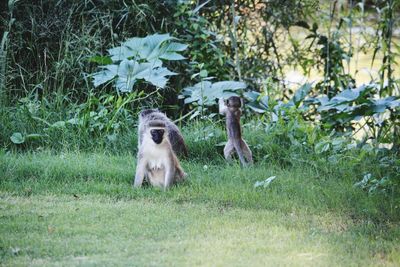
[[156, 159], [231, 109], [174, 135]]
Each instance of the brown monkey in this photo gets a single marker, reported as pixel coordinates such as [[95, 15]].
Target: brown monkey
[[156, 159], [231, 109], [174, 134]]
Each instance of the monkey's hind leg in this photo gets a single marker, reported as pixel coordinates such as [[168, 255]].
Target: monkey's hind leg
[[247, 152], [228, 150], [180, 174]]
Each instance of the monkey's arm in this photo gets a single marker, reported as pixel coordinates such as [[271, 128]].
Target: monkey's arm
[[169, 172], [222, 106], [140, 134], [140, 172]]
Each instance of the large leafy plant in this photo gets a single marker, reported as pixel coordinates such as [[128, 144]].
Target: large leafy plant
[[355, 104], [206, 92], [138, 59], [261, 103]]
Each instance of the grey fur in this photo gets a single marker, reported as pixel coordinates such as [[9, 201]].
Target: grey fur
[[149, 157], [235, 141], [174, 134]]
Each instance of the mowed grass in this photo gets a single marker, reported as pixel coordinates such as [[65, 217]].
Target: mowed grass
[[78, 209]]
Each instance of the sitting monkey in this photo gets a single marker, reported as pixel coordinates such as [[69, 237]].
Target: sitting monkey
[[156, 159]]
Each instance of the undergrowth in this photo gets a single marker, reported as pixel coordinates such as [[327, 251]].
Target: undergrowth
[[103, 132]]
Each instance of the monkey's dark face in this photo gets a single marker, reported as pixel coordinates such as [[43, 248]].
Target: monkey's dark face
[[157, 135], [233, 102]]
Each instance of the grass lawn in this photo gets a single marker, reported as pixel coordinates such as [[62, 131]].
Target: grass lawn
[[77, 209]]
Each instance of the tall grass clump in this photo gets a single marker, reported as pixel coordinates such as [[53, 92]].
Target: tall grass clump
[[52, 42]]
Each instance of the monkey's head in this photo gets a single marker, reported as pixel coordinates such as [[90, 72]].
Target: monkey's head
[[234, 102], [146, 112], [157, 131]]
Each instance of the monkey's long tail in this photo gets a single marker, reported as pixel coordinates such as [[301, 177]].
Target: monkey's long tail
[[238, 147]]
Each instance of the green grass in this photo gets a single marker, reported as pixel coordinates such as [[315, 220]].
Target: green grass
[[71, 208]]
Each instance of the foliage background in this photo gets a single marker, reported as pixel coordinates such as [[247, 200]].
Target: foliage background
[[321, 86], [49, 47]]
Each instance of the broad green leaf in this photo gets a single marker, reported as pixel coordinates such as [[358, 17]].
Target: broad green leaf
[[265, 183], [134, 44], [101, 60], [129, 49], [194, 115], [347, 95], [301, 93], [251, 95], [380, 105], [197, 93], [175, 47], [256, 107], [394, 104], [363, 183], [228, 85], [107, 74], [122, 52], [17, 138], [200, 6], [322, 147], [158, 77], [130, 71], [264, 101], [140, 59], [151, 46], [169, 50], [172, 56], [228, 94], [203, 73]]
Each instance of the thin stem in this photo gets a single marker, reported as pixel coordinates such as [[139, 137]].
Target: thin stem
[[234, 40], [185, 116], [350, 36], [389, 34]]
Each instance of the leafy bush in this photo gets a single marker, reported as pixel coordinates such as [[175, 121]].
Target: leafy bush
[[354, 104], [206, 45], [139, 59], [38, 124]]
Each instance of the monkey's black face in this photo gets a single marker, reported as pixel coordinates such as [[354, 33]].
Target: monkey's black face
[[157, 135], [234, 102]]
